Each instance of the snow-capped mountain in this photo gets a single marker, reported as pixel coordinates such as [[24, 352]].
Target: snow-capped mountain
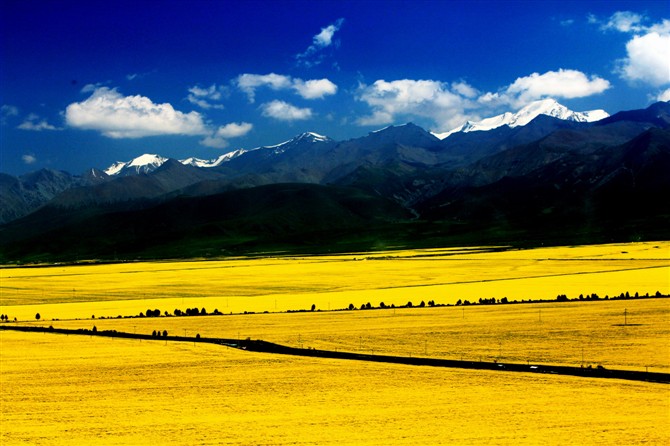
[[142, 164], [307, 137], [197, 162], [522, 117], [149, 162]]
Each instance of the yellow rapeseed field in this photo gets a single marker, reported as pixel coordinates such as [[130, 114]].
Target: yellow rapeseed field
[[331, 282], [60, 389], [74, 390]]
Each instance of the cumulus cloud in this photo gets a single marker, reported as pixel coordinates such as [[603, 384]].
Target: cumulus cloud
[[118, 116], [566, 84], [648, 59], [313, 54], [284, 111], [36, 124], [310, 89], [248, 83], [449, 105], [219, 139], [204, 97], [407, 97], [29, 158], [314, 88], [234, 129]]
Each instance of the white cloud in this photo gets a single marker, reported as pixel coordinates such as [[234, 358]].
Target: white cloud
[[7, 111], [464, 89], [34, 123], [29, 158], [406, 97], [324, 39], [648, 59], [118, 116], [219, 139], [203, 97], [234, 129], [215, 142], [284, 111], [566, 84], [664, 96], [314, 88], [450, 105], [248, 83], [310, 89], [90, 88], [624, 21]]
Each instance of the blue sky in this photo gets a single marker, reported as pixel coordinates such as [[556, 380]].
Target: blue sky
[[87, 83]]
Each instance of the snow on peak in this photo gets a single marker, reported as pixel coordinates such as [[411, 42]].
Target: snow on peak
[[115, 168], [142, 164], [313, 136], [147, 160], [549, 107]]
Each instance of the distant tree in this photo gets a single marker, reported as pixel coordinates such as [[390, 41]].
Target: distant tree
[[203, 312], [422, 304], [197, 336], [368, 305], [313, 307], [658, 294], [382, 305], [177, 312], [37, 316], [93, 316], [95, 329], [165, 333], [459, 302], [153, 333], [504, 300], [166, 313], [431, 303], [351, 306], [409, 304]]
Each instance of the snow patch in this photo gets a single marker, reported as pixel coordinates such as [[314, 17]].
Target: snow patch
[[524, 116]]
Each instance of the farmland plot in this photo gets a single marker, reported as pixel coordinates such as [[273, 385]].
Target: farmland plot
[[77, 390]]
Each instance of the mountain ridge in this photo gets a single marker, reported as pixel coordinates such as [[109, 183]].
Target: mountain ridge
[[549, 180]]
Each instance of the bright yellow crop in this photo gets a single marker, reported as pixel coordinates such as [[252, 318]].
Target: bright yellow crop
[[74, 390]]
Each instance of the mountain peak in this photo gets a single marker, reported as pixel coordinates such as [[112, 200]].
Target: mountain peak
[[142, 164], [311, 136], [548, 107]]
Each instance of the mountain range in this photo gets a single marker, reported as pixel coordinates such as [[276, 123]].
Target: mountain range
[[545, 175]]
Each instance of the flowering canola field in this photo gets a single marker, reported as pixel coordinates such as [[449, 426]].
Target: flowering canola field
[[79, 390], [73, 390]]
